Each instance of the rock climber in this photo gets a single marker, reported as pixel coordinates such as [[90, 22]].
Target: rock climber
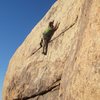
[[47, 34]]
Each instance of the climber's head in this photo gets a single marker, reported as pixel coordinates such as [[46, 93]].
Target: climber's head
[[51, 23]]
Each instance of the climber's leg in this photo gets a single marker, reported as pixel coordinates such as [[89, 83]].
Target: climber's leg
[[41, 43], [45, 46]]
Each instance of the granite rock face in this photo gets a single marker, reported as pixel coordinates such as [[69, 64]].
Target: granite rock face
[[71, 68]]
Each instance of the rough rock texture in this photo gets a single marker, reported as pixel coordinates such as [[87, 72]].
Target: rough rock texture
[[71, 69]]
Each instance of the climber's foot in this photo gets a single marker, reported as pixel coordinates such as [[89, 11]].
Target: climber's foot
[[44, 53]]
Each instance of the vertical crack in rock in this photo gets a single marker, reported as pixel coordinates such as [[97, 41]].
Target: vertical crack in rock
[[83, 22]]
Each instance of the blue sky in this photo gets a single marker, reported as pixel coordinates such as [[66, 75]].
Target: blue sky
[[17, 18]]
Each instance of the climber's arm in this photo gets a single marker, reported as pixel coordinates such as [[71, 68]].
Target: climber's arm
[[56, 26]]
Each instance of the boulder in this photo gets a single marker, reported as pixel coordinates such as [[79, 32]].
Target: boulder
[[71, 68]]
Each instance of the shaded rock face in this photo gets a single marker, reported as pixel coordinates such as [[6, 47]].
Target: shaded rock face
[[71, 68]]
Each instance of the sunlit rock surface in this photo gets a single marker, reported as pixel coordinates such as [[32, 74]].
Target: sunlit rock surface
[[71, 68]]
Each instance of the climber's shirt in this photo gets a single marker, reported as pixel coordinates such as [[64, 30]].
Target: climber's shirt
[[48, 32]]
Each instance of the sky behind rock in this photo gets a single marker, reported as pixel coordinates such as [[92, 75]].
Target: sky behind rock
[[17, 18]]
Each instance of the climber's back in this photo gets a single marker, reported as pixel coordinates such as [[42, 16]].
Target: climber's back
[[49, 31]]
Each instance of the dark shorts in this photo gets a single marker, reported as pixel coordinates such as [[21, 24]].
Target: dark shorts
[[47, 38]]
